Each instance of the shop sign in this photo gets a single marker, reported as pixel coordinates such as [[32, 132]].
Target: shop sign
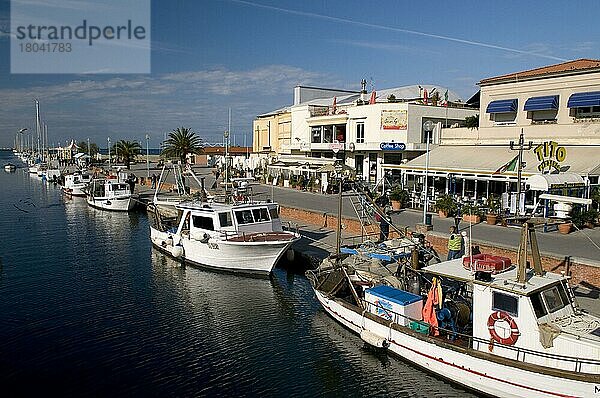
[[393, 120], [336, 146], [550, 155], [392, 146]]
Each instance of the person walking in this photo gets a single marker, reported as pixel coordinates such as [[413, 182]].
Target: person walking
[[454, 243], [153, 180]]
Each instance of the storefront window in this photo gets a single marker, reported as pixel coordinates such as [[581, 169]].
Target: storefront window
[[340, 132]]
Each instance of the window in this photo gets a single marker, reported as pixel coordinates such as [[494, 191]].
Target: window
[[555, 298], [244, 217], [260, 214], [327, 134], [548, 115], [225, 219], [505, 302], [315, 135], [203, 222], [538, 305], [273, 213], [504, 117], [360, 133], [340, 132], [587, 111]]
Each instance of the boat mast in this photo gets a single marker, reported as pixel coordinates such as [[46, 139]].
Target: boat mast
[[37, 125]]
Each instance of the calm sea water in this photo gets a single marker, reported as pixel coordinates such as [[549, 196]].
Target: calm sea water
[[88, 308]]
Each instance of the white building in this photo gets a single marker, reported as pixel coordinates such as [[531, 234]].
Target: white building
[[557, 108], [369, 130]]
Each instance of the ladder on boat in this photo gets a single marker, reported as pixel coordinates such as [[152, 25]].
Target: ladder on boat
[[177, 172], [366, 211]]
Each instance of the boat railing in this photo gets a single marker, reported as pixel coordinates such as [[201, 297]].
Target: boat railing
[[476, 342]]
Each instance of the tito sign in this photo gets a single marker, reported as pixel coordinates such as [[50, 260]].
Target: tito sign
[[550, 156]]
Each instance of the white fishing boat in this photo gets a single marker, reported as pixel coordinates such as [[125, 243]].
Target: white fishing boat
[[486, 325], [110, 194], [244, 237], [76, 183], [10, 167]]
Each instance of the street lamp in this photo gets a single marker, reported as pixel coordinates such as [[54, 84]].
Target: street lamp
[[226, 137], [428, 127], [339, 167], [147, 156]]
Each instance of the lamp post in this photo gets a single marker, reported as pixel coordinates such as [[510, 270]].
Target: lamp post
[[109, 154], [147, 156], [338, 170], [428, 127], [226, 139]]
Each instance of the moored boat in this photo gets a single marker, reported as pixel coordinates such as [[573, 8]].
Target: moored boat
[[75, 184], [245, 237], [10, 167], [506, 331], [110, 194]]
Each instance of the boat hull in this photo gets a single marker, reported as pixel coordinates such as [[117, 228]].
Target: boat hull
[[120, 203], [476, 373], [257, 257]]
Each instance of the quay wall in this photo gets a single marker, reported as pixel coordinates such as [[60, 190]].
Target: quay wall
[[578, 269]]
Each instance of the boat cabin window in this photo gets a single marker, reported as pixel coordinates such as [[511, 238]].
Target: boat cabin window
[[555, 298], [244, 217], [260, 214], [203, 222], [225, 219], [273, 213], [505, 302], [538, 305]]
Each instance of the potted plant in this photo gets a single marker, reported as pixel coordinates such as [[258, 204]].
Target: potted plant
[[493, 207], [565, 227], [398, 197], [471, 213], [445, 205]]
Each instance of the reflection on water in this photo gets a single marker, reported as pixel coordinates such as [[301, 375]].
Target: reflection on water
[[88, 308]]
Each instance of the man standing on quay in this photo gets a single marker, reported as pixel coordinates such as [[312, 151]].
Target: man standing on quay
[[454, 244]]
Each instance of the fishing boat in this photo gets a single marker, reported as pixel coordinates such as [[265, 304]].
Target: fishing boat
[[10, 167], [237, 237], [75, 184], [478, 321], [110, 194]]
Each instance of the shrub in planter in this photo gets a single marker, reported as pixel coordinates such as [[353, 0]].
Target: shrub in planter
[[399, 198], [493, 207], [471, 213], [445, 205]]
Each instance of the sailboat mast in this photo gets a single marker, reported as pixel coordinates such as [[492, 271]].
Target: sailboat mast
[[37, 125]]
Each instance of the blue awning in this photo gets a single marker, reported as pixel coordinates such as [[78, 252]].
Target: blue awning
[[578, 100], [541, 103], [502, 106]]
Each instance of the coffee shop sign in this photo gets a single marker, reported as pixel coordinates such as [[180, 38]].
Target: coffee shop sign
[[392, 146], [550, 155]]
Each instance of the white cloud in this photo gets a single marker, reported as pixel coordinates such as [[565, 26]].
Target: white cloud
[[129, 107]]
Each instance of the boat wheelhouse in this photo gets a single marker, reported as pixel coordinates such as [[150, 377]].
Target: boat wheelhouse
[[244, 237], [76, 183], [110, 194]]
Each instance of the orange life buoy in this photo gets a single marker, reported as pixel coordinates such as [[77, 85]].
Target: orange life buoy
[[503, 317]]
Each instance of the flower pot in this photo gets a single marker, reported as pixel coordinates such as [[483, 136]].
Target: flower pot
[[564, 228], [491, 219], [475, 219], [396, 205], [442, 213]]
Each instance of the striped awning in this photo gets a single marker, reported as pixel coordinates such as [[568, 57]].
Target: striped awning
[[502, 106], [579, 100], [545, 103]]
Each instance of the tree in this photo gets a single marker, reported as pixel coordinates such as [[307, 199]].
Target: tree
[[472, 122], [127, 150], [181, 142]]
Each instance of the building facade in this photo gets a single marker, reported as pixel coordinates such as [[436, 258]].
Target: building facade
[[557, 111]]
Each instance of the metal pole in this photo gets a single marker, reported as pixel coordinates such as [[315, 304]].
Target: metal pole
[[521, 144], [147, 156], [109, 154], [338, 245], [428, 127]]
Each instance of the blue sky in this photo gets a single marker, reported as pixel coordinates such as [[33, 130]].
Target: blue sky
[[212, 55]]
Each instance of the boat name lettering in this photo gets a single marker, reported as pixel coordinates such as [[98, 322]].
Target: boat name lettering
[[213, 246]]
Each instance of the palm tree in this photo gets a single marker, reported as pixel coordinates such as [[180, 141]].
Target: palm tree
[[127, 150], [181, 142]]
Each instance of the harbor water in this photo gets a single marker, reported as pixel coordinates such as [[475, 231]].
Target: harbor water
[[88, 308]]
